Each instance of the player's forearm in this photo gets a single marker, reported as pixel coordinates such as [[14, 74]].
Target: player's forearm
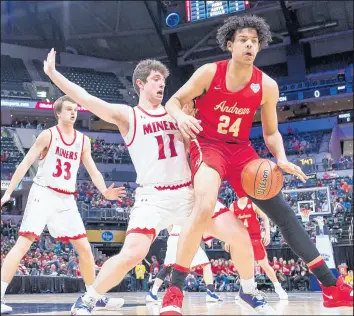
[[274, 143], [98, 181], [174, 107], [17, 176], [78, 94]]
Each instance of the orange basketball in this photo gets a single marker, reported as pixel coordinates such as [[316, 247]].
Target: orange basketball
[[262, 179]]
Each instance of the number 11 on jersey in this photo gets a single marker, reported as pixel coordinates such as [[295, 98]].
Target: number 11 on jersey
[[161, 145]]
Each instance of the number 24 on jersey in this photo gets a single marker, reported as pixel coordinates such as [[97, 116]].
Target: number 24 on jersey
[[225, 125]]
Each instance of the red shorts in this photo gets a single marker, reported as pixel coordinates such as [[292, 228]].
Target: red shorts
[[227, 159], [258, 249]]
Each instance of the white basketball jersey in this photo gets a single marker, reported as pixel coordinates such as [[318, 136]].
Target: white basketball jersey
[[156, 148], [176, 230], [58, 169]]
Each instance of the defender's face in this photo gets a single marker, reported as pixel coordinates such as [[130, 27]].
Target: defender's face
[[245, 46], [68, 113], [154, 87]]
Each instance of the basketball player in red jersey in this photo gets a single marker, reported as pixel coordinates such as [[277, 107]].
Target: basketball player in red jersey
[[51, 202], [227, 94], [248, 213], [165, 195]]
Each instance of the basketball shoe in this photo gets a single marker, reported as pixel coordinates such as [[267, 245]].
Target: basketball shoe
[[255, 301], [5, 309], [151, 298], [85, 307], [212, 297], [172, 302], [339, 295]]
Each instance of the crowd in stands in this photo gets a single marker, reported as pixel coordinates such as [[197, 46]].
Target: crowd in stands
[[32, 125], [295, 143], [109, 153]]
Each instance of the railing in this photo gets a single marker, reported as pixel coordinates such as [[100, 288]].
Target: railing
[[105, 214]]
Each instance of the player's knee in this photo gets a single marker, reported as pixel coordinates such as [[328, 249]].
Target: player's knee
[[84, 250], [134, 255], [24, 243], [203, 210]]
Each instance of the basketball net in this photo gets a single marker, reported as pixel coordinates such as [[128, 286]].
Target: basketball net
[[305, 215]]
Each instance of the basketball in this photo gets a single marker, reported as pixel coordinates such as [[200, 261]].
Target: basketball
[[262, 179]]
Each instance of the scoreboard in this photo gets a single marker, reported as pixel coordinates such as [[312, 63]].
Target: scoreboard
[[201, 9], [315, 93]]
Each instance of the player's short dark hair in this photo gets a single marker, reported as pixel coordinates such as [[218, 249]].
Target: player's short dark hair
[[227, 31], [144, 68], [58, 104]]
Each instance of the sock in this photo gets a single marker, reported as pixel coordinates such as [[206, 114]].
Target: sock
[[211, 288], [155, 289], [248, 285], [3, 288], [323, 274], [91, 293], [179, 275], [277, 285]]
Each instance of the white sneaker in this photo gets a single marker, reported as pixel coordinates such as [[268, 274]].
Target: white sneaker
[[281, 293], [151, 298], [109, 303], [5, 309]]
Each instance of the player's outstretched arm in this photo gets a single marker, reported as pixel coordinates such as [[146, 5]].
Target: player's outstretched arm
[[41, 143], [110, 193], [194, 87], [113, 113], [271, 134]]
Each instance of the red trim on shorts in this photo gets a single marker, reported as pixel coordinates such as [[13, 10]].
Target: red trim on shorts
[[28, 233], [152, 115], [174, 235], [202, 265], [173, 187], [62, 191], [134, 129], [67, 238], [180, 268], [220, 212], [51, 137], [62, 139], [317, 264], [144, 231]]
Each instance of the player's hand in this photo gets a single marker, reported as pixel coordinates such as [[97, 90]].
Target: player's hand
[[113, 193], [5, 198], [189, 126], [227, 247], [291, 168], [49, 64], [266, 239]]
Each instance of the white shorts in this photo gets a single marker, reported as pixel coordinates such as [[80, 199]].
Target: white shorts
[[56, 210], [155, 210], [200, 257]]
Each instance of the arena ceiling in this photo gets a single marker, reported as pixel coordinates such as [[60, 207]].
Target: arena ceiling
[[132, 30]]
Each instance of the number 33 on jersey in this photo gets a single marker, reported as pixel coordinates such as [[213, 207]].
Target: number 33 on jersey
[[59, 167], [156, 147]]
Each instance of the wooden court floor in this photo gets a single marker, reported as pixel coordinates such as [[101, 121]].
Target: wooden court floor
[[308, 303]]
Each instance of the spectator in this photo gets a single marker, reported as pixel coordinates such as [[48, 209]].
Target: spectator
[[140, 276]]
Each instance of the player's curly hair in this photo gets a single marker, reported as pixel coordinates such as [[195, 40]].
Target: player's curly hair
[[227, 31]]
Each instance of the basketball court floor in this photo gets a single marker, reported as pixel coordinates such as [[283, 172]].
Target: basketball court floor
[[308, 303]]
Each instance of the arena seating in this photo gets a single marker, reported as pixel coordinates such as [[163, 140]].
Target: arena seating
[[297, 143], [13, 75], [10, 155], [105, 85], [330, 62], [103, 152]]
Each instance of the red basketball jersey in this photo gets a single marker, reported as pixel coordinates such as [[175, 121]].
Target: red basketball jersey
[[249, 218], [228, 116]]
